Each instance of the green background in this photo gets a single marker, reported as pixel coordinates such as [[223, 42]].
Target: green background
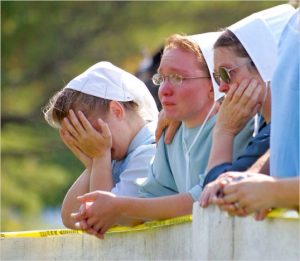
[[43, 46]]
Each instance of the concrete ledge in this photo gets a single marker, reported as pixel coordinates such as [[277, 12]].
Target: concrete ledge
[[211, 236], [170, 242], [217, 237]]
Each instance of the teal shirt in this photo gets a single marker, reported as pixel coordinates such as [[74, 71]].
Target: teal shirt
[[168, 172]]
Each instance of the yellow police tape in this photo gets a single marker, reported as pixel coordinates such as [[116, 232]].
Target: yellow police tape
[[276, 213], [116, 229]]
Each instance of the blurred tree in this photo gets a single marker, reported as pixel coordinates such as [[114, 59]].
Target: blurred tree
[[44, 45]]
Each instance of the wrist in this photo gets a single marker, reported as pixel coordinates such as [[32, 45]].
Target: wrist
[[122, 206], [103, 156], [222, 134], [222, 130]]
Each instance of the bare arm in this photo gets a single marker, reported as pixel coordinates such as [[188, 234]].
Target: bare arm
[[86, 142], [97, 145], [70, 203], [287, 193], [101, 174], [107, 209], [239, 106], [262, 165]]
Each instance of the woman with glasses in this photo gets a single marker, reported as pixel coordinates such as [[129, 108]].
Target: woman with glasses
[[187, 94], [281, 189], [245, 57]]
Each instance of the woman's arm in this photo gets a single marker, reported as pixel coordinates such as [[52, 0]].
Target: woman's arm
[[238, 107], [261, 192]]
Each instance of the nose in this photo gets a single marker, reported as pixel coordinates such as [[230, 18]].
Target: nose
[[223, 87], [165, 89]]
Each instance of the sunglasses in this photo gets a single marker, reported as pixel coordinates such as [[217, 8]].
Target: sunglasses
[[224, 73]]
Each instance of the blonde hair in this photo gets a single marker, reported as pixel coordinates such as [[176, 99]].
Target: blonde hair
[[185, 43], [65, 100]]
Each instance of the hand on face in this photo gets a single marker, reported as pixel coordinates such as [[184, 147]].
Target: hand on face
[[97, 213], [84, 136], [171, 127], [69, 142], [241, 103]]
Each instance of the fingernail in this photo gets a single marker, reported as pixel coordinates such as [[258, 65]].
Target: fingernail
[[73, 215], [77, 225]]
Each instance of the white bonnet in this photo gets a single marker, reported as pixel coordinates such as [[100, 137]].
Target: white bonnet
[[107, 81], [206, 42], [259, 33]]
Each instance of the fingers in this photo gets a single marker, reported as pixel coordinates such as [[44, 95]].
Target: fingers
[[77, 125], [230, 93], [68, 127], [165, 123], [208, 194], [104, 128], [158, 132], [231, 197], [214, 191], [239, 92], [161, 124], [171, 130], [247, 94], [251, 97], [261, 214], [75, 122], [91, 196], [66, 137], [203, 200], [93, 228], [78, 217], [84, 121]]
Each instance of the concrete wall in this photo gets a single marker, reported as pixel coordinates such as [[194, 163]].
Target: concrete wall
[[211, 236], [218, 237]]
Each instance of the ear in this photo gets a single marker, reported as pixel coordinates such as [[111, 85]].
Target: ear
[[117, 109]]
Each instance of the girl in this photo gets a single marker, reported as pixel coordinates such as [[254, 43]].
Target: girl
[[106, 117]]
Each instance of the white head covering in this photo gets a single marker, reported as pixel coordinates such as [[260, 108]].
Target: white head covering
[[107, 81], [276, 18], [206, 42], [259, 33]]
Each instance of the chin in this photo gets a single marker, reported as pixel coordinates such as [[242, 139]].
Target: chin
[[171, 115]]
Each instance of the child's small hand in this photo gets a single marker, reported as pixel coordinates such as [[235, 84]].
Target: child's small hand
[[92, 142], [69, 141]]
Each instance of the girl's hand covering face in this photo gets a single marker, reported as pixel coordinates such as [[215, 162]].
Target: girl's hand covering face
[[68, 140], [92, 142]]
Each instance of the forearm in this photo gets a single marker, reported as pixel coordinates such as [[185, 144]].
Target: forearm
[[287, 192], [262, 164], [221, 150], [155, 208], [101, 174], [70, 203]]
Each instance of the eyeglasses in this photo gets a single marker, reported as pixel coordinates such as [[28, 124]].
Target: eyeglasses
[[174, 79], [224, 73]]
